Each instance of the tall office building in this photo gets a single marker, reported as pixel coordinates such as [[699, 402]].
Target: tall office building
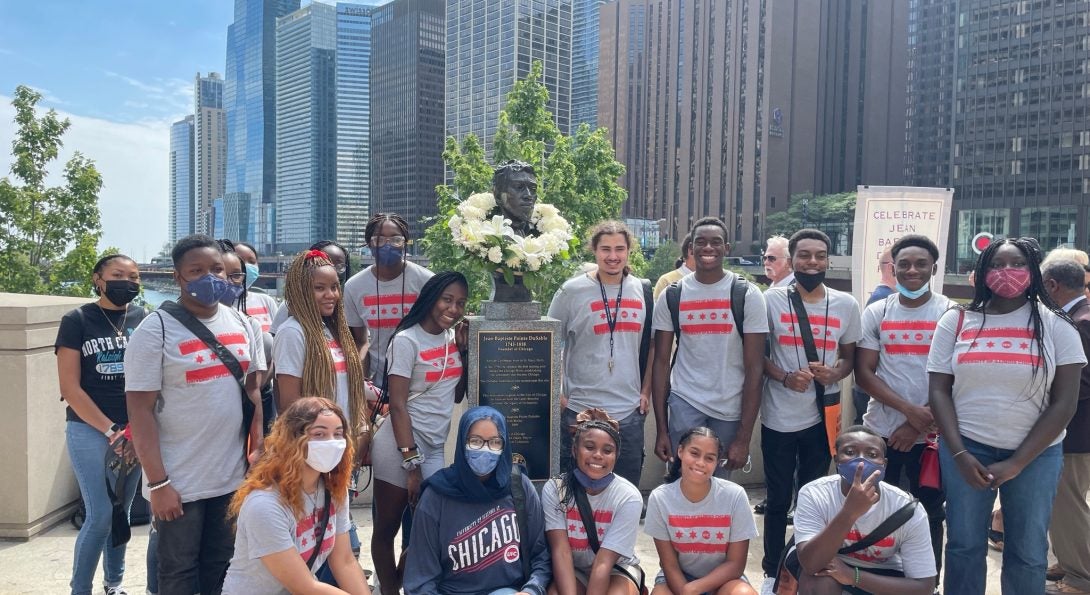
[[181, 179], [210, 147], [407, 109], [353, 107], [306, 126], [249, 101], [490, 45], [727, 109], [584, 62], [1000, 111]]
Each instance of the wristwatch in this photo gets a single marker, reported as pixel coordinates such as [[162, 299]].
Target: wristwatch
[[412, 462], [113, 430]]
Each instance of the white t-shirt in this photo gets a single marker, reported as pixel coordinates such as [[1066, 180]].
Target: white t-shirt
[[200, 408], [616, 516], [380, 305], [433, 366], [902, 337], [996, 396], [700, 532], [266, 526], [289, 354], [783, 409], [588, 380], [709, 370], [263, 307], [907, 549]]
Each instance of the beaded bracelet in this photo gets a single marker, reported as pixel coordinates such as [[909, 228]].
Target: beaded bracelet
[[161, 484], [857, 577]]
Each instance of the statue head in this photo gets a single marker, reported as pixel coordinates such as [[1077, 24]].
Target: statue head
[[514, 184]]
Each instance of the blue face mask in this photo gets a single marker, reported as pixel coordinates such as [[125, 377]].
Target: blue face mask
[[847, 469], [482, 461], [232, 294], [207, 290], [908, 293], [592, 484], [252, 274], [388, 255]]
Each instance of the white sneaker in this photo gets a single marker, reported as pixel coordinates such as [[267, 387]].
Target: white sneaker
[[766, 586], [118, 590]]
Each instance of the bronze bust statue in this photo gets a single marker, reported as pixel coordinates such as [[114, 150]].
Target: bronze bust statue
[[514, 185]]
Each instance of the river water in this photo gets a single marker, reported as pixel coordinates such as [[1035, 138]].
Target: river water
[[154, 297]]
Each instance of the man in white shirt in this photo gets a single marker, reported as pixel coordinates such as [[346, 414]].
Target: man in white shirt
[[777, 263]]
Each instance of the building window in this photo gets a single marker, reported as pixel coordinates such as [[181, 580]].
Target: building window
[[972, 222], [1052, 226]]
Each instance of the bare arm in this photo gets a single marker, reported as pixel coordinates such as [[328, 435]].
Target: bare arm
[[646, 382], [564, 581], [68, 373], [600, 570], [753, 357], [257, 425], [728, 571], [671, 568], [346, 569], [289, 569], [289, 389], [660, 380]]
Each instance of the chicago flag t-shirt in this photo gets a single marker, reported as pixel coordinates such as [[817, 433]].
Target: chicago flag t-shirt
[[200, 404], [380, 306], [616, 517], [289, 355], [700, 532], [433, 366]]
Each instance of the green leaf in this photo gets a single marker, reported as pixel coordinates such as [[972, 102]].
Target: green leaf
[[508, 276]]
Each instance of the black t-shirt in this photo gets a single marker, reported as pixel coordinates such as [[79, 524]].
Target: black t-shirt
[[91, 331]]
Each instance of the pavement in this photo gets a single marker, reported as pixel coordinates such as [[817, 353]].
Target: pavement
[[43, 565]]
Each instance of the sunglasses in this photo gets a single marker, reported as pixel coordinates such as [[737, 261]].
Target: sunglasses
[[769, 258]]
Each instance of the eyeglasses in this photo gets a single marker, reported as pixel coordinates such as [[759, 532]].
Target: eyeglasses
[[477, 443], [340, 268], [769, 258], [236, 278], [395, 241]]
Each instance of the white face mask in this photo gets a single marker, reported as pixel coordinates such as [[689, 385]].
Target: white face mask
[[324, 455]]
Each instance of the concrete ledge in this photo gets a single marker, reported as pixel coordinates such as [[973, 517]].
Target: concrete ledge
[[24, 532]]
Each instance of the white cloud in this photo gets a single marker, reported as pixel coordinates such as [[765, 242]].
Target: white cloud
[[132, 159], [170, 95]]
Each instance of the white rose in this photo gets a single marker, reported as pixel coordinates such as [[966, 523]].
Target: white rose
[[470, 212], [482, 200], [495, 254]]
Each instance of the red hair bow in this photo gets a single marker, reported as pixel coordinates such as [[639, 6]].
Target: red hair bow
[[317, 254]]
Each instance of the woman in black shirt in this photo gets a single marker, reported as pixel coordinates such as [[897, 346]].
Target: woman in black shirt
[[90, 350]]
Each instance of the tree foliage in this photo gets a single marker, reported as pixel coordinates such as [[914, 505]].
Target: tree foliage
[[833, 214], [663, 260], [42, 228], [578, 174]]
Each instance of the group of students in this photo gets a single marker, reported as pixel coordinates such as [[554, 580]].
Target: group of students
[[367, 369]]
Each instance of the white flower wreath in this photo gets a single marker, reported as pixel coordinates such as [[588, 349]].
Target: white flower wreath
[[495, 241]]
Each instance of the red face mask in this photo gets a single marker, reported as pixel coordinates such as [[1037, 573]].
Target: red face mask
[[1008, 282]]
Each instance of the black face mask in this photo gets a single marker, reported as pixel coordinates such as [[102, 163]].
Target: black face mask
[[809, 281], [121, 291]]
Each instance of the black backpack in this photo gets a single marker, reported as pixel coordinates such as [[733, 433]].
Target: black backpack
[[738, 289]]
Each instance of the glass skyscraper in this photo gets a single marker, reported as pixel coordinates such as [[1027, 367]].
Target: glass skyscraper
[[353, 107], [490, 45], [306, 127], [210, 147], [249, 101], [584, 63], [181, 179]]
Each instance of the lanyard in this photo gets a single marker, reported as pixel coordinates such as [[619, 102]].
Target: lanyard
[[611, 315]]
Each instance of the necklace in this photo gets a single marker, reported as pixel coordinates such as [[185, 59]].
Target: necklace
[[376, 374], [120, 331], [611, 315]]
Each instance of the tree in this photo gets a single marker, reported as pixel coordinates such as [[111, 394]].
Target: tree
[[663, 260], [38, 224], [578, 174], [833, 214]]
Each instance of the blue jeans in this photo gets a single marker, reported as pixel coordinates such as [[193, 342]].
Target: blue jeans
[[324, 573], [682, 417], [87, 451], [1027, 510]]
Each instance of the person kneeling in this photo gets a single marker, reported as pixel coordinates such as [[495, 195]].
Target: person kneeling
[[836, 512], [293, 508]]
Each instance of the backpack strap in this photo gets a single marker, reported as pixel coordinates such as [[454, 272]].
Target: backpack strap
[[673, 302], [738, 289], [320, 538], [883, 530], [518, 494], [648, 313]]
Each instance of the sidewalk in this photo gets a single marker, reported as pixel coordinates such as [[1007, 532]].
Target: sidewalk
[[43, 565]]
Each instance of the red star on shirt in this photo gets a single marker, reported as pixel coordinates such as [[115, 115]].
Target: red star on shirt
[[790, 328], [200, 359], [893, 336], [990, 344], [602, 316], [719, 535], [679, 534], [692, 534], [905, 336], [828, 333], [703, 316], [690, 317], [1023, 345], [571, 527], [372, 311], [241, 352], [303, 542], [601, 532], [383, 310], [212, 356], [582, 529], [635, 316]]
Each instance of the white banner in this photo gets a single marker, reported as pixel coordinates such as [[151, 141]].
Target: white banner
[[885, 213]]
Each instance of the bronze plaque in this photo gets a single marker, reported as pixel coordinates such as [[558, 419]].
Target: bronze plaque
[[515, 377]]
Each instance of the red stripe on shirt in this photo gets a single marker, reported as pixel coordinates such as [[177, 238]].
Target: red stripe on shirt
[[999, 357], [621, 327], [707, 329], [391, 298], [600, 516], [854, 536], [438, 352], [218, 370], [705, 305], [699, 548], [797, 341], [701, 520], [902, 349], [598, 306], [908, 325], [194, 345], [255, 310], [815, 320], [998, 333], [451, 372], [383, 322]]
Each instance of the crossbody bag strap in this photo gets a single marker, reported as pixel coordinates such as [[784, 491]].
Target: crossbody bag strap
[[883, 530], [673, 303], [648, 316], [587, 516], [803, 323], [205, 334], [321, 530], [518, 495]]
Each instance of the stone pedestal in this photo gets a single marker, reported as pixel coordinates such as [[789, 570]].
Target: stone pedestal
[[514, 366], [39, 489]]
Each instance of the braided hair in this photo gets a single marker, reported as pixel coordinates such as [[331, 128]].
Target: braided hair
[[591, 419], [319, 377]]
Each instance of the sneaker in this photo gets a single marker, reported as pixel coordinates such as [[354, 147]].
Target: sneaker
[[118, 590], [760, 507], [1054, 573], [1062, 588]]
